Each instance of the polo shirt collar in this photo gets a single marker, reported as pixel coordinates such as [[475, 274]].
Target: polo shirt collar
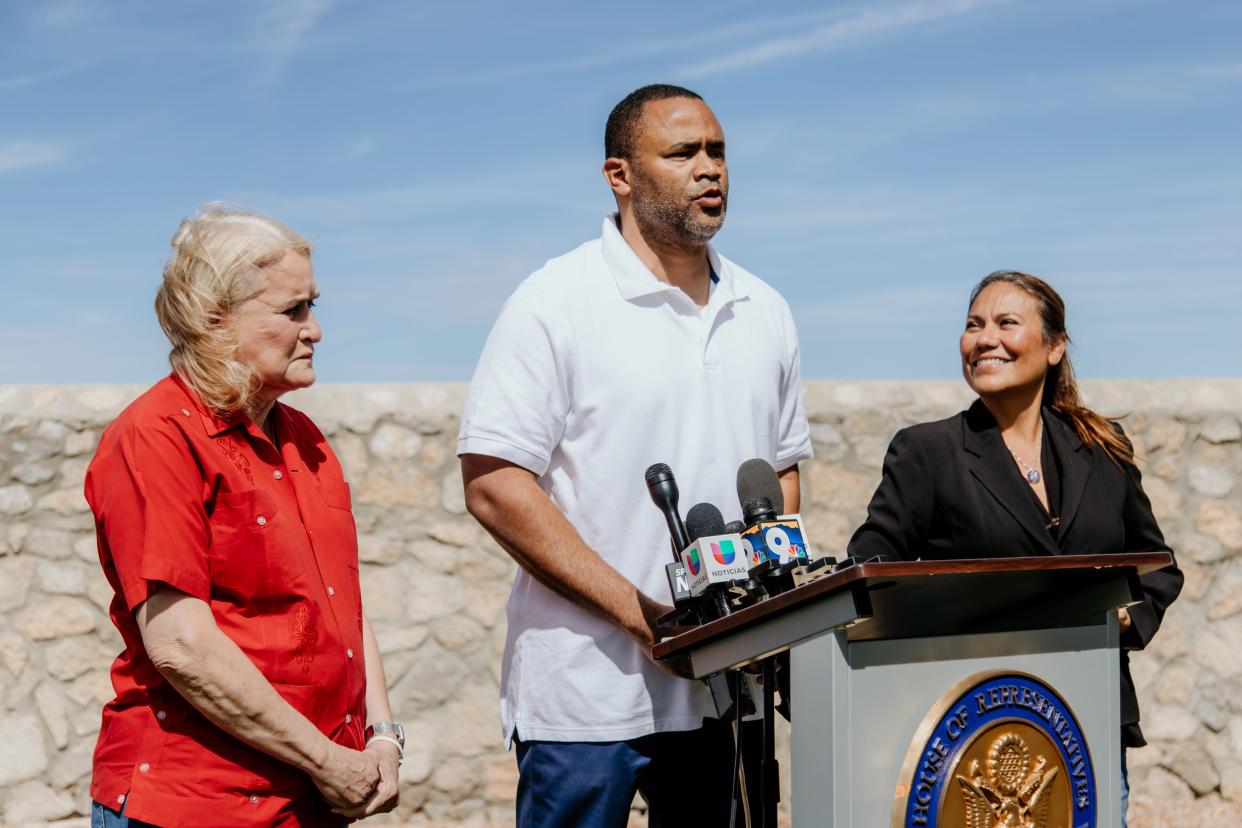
[[634, 279]]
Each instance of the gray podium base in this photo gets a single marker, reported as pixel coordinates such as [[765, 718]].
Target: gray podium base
[[856, 707]]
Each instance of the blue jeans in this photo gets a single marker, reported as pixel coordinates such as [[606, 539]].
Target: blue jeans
[[104, 817], [685, 777]]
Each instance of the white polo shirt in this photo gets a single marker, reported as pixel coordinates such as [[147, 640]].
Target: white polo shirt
[[595, 370]]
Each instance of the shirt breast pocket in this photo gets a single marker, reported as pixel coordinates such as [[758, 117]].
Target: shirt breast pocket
[[256, 547]]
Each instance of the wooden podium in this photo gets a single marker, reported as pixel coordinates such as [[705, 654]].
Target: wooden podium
[[894, 663]]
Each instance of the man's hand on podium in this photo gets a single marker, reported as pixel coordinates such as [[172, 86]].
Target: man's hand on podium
[[1123, 617]]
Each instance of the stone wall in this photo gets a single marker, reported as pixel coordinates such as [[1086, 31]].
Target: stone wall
[[442, 635]]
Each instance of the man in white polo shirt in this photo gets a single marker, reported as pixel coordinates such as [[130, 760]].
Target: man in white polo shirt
[[639, 347]]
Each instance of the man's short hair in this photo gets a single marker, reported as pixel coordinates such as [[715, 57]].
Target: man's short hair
[[621, 132]]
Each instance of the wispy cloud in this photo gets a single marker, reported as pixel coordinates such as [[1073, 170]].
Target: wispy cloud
[[281, 28], [1221, 70], [360, 147], [628, 52], [63, 14], [25, 155], [18, 81], [869, 22]]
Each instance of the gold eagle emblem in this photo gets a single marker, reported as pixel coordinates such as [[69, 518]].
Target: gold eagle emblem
[[1015, 791]]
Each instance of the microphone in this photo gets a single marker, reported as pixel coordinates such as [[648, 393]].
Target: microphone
[[704, 519], [714, 560], [663, 490], [757, 478], [778, 541]]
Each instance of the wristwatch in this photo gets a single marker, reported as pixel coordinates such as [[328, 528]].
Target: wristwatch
[[388, 732]]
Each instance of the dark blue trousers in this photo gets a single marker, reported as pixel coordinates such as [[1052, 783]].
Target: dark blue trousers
[[684, 777]]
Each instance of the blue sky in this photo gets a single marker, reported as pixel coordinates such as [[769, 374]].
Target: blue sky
[[884, 156]]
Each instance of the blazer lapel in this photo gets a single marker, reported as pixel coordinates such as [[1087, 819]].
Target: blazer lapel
[[1075, 465], [992, 465]]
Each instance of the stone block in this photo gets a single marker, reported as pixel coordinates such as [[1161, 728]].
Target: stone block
[[392, 485], [15, 500], [22, 754], [1221, 429], [62, 577], [1163, 785], [1168, 723], [56, 617], [433, 596], [73, 764], [438, 557], [421, 756], [67, 658], [837, 487], [1165, 434], [434, 677], [460, 533], [828, 442], [1221, 520], [486, 604], [1166, 502], [394, 442], [1200, 548], [455, 776], [92, 688], [1231, 783], [1177, 683], [49, 543], [1192, 765], [34, 473], [16, 575], [471, 723], [457, 632], [377, 549], [1211, 481], [54, 709], [13, 652], [400, 638], [65, 501], [81, 442], [452, 495], [1225, 599], [33, 802]]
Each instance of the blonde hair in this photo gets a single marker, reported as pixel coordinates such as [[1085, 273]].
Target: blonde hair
[[217, 263]]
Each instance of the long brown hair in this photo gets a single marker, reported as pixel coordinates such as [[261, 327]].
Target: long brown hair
[[1060, 388]]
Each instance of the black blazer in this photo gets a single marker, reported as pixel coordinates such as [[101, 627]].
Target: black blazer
[[951, 489]]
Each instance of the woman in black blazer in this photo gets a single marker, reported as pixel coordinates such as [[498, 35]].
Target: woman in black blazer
[[1026, 470]]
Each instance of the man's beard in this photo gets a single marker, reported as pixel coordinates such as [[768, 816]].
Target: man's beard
[[669, 218]]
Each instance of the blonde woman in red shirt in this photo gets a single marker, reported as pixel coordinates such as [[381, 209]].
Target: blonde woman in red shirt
[[250, 691]]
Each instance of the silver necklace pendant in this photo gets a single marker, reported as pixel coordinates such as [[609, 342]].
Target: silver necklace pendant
[[1032, 476]]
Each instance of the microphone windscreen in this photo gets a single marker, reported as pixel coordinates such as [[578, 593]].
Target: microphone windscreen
[[757, 478], [657, 472], [734, 527], [704, 520], [756, 509]]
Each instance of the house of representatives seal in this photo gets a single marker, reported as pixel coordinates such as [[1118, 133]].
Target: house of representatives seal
[[999, 750]]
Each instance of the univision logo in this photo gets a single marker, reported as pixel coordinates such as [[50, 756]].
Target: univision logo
[[723, 552], [692, 560]]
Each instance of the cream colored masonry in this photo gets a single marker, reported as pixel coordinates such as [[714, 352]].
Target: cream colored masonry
[[435, 585]]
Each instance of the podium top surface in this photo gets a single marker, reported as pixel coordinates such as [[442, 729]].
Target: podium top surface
[[905, 599]]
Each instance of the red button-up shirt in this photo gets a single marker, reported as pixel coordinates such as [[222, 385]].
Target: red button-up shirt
[[264, 534]]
